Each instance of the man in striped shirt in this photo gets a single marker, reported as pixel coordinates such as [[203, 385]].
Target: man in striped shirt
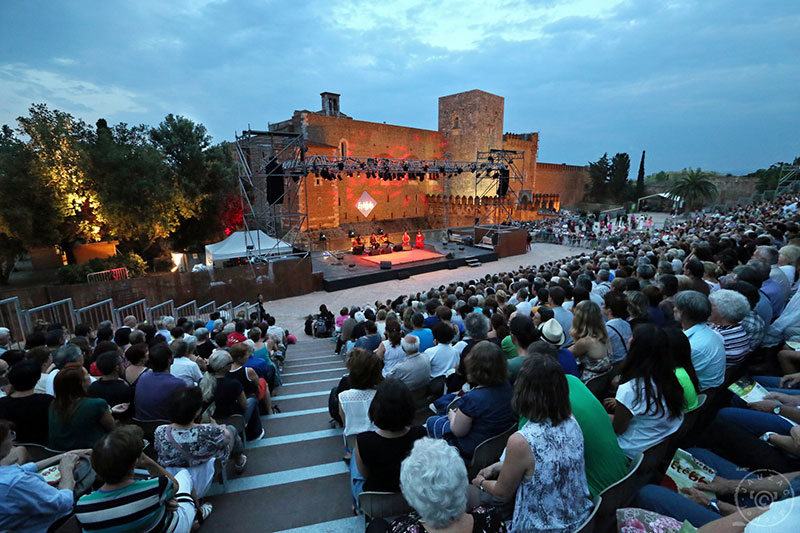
[[162, 503], [728, 308]]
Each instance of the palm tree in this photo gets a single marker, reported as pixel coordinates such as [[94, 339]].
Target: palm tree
[[693, 186]]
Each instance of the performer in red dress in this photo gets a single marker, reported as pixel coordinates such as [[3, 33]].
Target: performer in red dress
[[406, 241], [420, 240]]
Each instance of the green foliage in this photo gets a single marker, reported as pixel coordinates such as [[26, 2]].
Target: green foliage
[[693, 186], [598, 177], [72, 274], [640, 179], [768, 177], [618, 174]]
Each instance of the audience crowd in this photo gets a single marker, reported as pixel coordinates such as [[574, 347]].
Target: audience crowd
[[584, 370], [173, 398]]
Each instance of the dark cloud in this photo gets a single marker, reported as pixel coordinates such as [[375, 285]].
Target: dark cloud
[[695, 83]]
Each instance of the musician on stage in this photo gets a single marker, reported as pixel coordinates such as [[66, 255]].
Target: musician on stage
[[373, 240], [420, 240]]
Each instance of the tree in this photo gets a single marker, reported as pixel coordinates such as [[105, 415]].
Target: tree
[[618, 174], [768, 177], [137, 196], [57, 141], [28, 213], [598, 177], [693, 186], [640, 179]]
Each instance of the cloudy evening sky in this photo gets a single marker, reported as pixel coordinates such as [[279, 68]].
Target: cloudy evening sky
[[706, 83]]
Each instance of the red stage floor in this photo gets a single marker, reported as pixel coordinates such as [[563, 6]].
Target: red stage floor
[[399, 258]]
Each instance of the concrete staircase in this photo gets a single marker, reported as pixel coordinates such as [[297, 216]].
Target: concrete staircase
[[295, 479]]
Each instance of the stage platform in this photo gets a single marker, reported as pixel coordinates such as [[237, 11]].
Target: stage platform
[[401, 258], [338, 274]]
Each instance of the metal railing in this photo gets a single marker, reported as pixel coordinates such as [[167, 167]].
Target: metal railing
[[108, 275], [13, 317], [137, 309], [226, 310], [252, 308], [92, 315], [204, 311], [241, 308], [163, 309], [188, 310], [60, 312]]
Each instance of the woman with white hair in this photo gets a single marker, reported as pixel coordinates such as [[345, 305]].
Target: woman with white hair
[[788, 259], [728, 308], [228, 395], [433, 480]]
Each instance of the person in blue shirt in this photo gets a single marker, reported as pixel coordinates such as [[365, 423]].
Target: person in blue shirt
[[425, 335], [28, 503]]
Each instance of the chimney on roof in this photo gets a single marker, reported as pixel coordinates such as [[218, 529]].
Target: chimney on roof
[[330, 104]]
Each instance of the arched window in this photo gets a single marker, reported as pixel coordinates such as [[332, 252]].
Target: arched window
[[455, 122], [343, 148]]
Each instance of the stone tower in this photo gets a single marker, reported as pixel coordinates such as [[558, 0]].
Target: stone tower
[[470, 122]]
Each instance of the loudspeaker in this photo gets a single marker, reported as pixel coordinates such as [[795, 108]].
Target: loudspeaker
[[469, 241], [495, 239], [398, 247], [449, 255], [386, 265], [451, 265], [403, 274], [274, 174], [502, 186]]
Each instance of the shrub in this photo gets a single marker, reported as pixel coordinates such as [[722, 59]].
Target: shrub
[[70, 274]]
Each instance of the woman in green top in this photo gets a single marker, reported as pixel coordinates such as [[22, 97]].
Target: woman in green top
[[684, 369], [605, 462], [76, 421]]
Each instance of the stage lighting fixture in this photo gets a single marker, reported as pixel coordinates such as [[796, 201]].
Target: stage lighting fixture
[[325, 174], [362, 165], [460, 170], [323, 237], [351, 233], [405, 168], [425, 168], [491, 159], [338, 177], [340, 164], [380, 231]]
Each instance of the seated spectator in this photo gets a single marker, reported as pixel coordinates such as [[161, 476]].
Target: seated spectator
[[654, 297], [694, 269], [380, 322], [615, 308], [182, 365], [692, 311], [484, 411], [204, 345], [391, 350], [161, 503], [137, 355], [372, 339], [734, 490], [422, 333], [378, 453], [228, 395], [415, 369], [432, 482], [24, 408], [544, 463], [553, 334], [638, 308], [74, 420], [262, 363], [562, 316], [110, 387], [186, 444], [442, 356], [752, 323], [154, 389], [254, 386], [364, 377], [728, 309], [67, 356], [523, 333], [277, 331], [649, 403], [590, 347], [605, 462], [28, 502], [681, 352], [237, 335]]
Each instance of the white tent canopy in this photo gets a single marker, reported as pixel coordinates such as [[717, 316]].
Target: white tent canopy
[[676, 200], [235, 245]]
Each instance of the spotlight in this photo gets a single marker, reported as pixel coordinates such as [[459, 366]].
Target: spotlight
[[380, 231], [340, 164], [351, 234], [325, 174], [405, 167], [338, 177], [322, 237]]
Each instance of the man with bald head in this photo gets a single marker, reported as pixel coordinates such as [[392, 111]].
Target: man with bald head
[[415, 370]]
